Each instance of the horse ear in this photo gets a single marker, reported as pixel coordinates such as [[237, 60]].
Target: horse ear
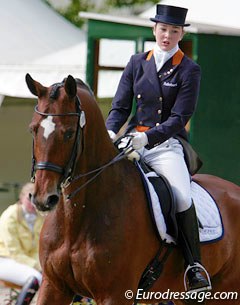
[[70, 86], [35, 87]]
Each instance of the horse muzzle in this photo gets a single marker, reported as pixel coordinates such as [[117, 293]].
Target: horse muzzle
[[45, 204]]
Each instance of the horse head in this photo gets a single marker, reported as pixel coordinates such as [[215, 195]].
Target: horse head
[[57, 129], [66, 122]]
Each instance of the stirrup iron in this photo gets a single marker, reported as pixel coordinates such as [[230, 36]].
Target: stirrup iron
[[206, 288]]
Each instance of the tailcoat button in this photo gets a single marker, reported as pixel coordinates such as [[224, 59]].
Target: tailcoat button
[[160, 98], [139, 96], [157, 124], [159, 111]]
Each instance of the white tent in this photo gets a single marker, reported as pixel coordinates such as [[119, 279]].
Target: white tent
[[36, 40], [214, 16]]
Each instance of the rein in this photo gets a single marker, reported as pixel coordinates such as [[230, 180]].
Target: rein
[[98, 171]]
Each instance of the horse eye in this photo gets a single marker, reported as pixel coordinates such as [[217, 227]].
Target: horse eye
[[33, 129], [68, 134]]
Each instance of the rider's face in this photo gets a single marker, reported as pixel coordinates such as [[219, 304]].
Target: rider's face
[[167, 36]]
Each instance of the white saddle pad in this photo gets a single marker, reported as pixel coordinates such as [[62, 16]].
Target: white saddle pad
[[211, 227]]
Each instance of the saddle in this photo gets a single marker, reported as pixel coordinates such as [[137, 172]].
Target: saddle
[[161, 201], [193, 162], [162, 208]]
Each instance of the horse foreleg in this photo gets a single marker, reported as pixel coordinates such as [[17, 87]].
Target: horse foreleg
[[50, 295]]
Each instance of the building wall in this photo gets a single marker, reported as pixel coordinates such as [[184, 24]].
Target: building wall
[[16, 145], [216, 125]]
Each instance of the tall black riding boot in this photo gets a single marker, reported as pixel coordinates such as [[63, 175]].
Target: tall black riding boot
[[28, 291], [189, 241]]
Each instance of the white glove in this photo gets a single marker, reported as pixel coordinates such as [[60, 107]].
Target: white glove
[[112, 135], [124, 144], [134, 155], [139, 140]]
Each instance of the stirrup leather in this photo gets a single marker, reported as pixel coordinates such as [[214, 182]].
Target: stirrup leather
[[206, 288]]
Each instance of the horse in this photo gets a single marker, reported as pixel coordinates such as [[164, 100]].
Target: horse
[[98, 236]]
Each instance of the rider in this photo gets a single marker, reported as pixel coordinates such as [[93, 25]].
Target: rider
[[165, 85]]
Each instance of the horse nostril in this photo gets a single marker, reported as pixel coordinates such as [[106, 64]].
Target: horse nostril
[[52, 201]]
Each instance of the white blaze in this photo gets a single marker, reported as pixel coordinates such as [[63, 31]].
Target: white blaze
[[48, 125]]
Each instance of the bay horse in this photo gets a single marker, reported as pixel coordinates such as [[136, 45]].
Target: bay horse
[[98, 236]]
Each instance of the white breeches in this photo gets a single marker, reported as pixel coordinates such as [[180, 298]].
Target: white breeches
[[167, 159], [14, 272]]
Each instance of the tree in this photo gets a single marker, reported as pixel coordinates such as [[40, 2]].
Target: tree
[[72, 10], [121, 3]]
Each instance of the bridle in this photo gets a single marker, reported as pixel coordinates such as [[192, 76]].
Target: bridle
[[68, 171]]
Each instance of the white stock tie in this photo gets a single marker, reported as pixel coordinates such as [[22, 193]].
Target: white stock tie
[[161, 56]]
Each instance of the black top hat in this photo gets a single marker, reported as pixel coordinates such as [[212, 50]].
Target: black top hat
[[170, 15]]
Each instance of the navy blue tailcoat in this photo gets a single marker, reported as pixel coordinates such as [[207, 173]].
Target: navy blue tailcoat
[[165, 100]]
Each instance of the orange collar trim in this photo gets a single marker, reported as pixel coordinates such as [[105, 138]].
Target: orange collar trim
[[176, 60], [177, 57], [149, 55]]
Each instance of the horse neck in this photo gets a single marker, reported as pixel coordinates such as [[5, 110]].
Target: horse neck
[[98, 149], [95, 156]]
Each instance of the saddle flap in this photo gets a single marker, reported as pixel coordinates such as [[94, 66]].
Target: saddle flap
[[158, 190], [162, 208], [167, 203]]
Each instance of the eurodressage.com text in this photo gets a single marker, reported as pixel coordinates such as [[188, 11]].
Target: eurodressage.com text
[[170, 295]]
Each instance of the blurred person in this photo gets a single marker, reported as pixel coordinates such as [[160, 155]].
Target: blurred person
[[20, 226]]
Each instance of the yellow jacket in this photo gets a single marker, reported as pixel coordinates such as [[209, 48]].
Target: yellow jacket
[[16, 239]]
